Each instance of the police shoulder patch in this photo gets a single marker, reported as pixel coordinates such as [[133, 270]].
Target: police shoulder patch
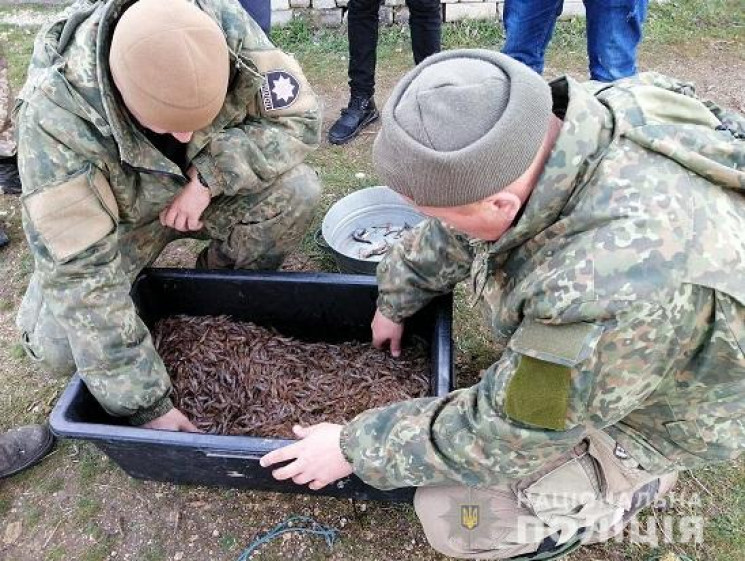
[[279, 90]]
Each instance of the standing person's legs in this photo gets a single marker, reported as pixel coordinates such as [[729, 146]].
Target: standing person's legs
[[362, 32], [614, 31], [425, 21], [257, 231], [529, 25], [260, 11]]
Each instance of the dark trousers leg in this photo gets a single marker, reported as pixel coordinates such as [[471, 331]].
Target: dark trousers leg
[[425, 21], [363, 43], [260, 11]]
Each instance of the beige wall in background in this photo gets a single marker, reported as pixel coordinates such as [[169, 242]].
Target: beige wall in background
[[332, 13]]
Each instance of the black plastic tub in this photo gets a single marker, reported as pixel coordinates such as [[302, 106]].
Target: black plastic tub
[[310, 306]]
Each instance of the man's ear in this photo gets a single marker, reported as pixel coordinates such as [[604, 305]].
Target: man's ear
[[505, 205]]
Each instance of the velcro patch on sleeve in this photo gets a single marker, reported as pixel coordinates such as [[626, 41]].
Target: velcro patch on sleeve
[[73, 215], [284, 90], [567, 344], [538, 394]]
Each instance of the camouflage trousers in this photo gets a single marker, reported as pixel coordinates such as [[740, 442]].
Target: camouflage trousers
[[254, 232], [586, 496]]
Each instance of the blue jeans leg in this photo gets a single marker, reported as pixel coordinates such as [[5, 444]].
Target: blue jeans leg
[[529, 25], [260, 11], [614, 31]]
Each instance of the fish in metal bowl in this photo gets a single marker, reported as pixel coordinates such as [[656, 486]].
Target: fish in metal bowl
[[360, 228]]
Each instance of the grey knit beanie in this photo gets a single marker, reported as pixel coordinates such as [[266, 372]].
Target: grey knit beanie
[[461, 126]]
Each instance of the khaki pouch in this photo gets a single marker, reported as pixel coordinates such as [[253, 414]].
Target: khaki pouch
[[569, 497], [73, 215], [621, 475]]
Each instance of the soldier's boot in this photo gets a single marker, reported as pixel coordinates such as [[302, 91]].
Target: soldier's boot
[[256, 232], [42, 337], [23, 447], [358, 114]]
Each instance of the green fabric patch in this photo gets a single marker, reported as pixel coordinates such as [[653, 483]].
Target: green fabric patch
[[538, 394], [566, 344]]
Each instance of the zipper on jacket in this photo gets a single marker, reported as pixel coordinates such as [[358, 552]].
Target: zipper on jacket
[[182, 178]]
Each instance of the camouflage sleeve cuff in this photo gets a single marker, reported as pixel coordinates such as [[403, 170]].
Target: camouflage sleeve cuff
[[146, 415], [389, 447], [344, 445], [206, 167], [390, 312]]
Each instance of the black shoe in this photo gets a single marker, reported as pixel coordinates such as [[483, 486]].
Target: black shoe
[[360, 112], [23, 447], [4, 240], [10, 181]]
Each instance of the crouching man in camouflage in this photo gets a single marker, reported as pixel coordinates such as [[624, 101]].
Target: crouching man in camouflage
[[142, 122], [603, 231]]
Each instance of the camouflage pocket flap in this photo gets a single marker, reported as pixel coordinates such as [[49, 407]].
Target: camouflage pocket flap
[[687, 434], [73, 215], [711, 437], [567, 344]]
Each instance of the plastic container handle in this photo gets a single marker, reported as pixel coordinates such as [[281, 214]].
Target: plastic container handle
[[320, 241], [234, 455]]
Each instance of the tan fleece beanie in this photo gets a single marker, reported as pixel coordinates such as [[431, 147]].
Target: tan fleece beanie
[[461, 126], [170, 62]]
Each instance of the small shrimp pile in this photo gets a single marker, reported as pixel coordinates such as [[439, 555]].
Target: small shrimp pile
[[238, 378]]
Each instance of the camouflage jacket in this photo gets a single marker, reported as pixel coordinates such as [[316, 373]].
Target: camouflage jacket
[[617, 296], [75, 135]]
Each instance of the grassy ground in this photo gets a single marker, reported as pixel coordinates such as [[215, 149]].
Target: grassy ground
[[79, 505]]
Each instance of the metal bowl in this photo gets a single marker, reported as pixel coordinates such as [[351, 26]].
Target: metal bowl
[[380, 212]]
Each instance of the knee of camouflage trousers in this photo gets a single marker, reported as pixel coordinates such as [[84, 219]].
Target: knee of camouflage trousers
[[257, 232], [42, 337], [582, 496]]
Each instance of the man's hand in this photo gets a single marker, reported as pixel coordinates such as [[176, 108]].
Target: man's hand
[[317, 457], [185, 211], [174, 420], [385, 330]]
